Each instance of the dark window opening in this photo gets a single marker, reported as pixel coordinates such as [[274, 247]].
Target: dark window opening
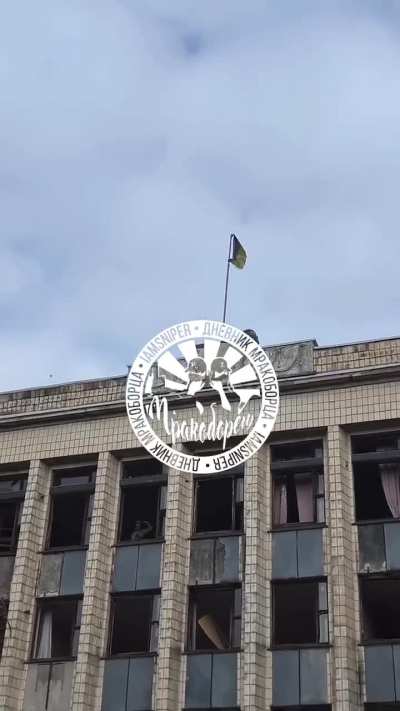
[[11, 486], [143, 512], [380, 442], [3, 621], [215, 619], [380, 608], [376, 468], [370, 499], [79, 476], [297, 483], [10, 520], [300, 613], [134, 624], [71, 507], [219, 504], [70, 520], [57, 629], [141, 468], [310, 449], [12, 491]]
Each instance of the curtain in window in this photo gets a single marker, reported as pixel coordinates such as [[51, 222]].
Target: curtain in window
[[390, 478], [45, 639], [280, 503], [305, 499]]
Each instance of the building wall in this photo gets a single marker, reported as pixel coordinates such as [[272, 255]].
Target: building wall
[[315, 407]]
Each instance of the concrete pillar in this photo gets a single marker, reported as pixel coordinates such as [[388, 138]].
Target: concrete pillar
[[256, 662], [342, 580], [87, 686], [21, 612], [170, 668]]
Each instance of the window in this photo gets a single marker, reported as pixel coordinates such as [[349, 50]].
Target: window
[[219, 504], [298, 483], [134, 624], [143, 501], [300, 613], [376, 468], [12, 492], [380, 604], [215, 619], [3, 621], [57, 628], [72, 494]]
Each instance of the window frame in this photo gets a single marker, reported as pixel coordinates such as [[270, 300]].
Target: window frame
[[319, 612], [375, 455], [373, 641], [159, 480], [234, 617], [4, 623], [64, 490], [42, 603], [287, 469], [17, 498], [235, 501], [154, 623]]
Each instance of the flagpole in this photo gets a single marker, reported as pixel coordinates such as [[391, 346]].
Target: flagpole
[[227, 277]]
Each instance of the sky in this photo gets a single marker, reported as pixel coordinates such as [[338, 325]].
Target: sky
[[136, 136]]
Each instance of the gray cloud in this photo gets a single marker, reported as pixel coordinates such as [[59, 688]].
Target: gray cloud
[[135, 137]]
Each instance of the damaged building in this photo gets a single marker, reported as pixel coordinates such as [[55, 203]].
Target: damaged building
[[126, 585]]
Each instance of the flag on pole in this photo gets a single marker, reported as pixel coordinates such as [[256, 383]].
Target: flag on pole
[[239, 255]]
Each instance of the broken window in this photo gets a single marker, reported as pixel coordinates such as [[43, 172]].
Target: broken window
[[380, 603], [72, 494], [376, 468], [12, 492], [214, 618], [143, 501], [219, 504], [57, 628], [298, 483], [300, 613], [134, 624]]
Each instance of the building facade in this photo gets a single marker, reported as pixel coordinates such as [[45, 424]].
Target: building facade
[[128, 586]]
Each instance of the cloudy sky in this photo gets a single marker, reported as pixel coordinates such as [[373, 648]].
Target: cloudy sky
[[135, 136]]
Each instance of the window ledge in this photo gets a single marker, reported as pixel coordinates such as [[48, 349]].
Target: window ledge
[[214, 534], [194, 652], [288, 647], [372, 521], [380, 574], [379, 642], [298, 526], [63, 549], [50, 660], [129, 655], [144, 541]]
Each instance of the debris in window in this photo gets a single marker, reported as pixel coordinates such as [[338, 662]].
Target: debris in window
[[215, 619]]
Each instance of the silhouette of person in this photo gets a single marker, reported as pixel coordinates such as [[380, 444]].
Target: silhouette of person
[[142, 528]]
